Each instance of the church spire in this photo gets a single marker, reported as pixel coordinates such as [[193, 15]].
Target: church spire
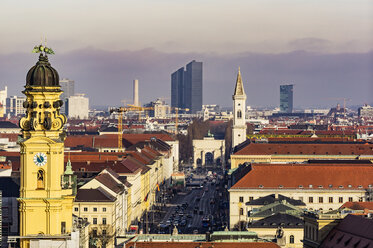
[[239, 90]]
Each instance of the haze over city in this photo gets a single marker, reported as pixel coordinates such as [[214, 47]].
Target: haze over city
[[186, 124], [324, 48]]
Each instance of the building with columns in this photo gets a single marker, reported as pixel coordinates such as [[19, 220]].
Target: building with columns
[[208, 151], [239, 110]]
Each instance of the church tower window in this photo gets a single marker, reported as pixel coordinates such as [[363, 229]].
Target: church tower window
[[239, 114], [40, 179]]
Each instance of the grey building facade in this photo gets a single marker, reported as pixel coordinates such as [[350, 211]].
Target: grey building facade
[[186, 87], [68, 88], [177, 88], [286, 98]]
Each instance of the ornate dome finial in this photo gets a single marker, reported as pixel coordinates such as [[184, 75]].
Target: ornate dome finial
[[42, 74]]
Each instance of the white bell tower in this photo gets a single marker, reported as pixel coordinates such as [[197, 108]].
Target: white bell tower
[[239, 110]]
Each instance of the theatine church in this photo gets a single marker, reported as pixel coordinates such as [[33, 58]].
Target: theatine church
[[46, 190]]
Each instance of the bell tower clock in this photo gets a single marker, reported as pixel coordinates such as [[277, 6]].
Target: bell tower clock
[[45, 200]]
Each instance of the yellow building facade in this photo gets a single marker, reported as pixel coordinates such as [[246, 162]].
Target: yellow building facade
[[46, 194]]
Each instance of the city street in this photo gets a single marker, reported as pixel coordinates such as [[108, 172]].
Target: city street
[[198, 208]]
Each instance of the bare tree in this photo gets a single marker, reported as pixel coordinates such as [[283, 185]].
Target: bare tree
[[101, 235]]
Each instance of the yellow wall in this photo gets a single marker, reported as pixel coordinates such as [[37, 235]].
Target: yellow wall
[[90, 214], [236, 160], [43, 209]]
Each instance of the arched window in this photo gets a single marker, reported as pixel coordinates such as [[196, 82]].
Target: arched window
[[241, 211], [40, 179], [291, 239], [239, 114]]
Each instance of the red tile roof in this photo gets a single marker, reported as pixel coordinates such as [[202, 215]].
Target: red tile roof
[[93, 195], [131, 165], [106, 140], [170, 244], [293, 175], [91, 166], [134, 138], [310, 149], [93, 156], [353, 231], [358, 205], [79, 140], [307, 139], [109, 182], [13, 137]]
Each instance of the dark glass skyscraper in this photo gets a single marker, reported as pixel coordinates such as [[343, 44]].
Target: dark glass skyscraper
[[177, 88], [286, 98], [186, 87]]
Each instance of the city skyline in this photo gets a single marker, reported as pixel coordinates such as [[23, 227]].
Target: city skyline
[[312, 52]]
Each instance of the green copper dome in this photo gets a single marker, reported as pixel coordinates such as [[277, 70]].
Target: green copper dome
[[42, 74]]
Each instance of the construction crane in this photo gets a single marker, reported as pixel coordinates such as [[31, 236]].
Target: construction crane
[[139, 108], [177, 117], [121, 112]]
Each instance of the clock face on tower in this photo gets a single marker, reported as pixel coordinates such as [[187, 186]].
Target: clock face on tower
[[40, 159]]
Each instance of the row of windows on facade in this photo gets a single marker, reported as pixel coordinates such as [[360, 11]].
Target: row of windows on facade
[[85, 209], [95, 220], [311, 199], [94, 232]]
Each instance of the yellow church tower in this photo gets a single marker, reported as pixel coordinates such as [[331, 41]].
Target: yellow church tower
[[46, 192]]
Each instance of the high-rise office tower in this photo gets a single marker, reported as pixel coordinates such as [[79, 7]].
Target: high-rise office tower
[[68, 88], [136, 92], [177, 88], [186, 87], [286, 98]]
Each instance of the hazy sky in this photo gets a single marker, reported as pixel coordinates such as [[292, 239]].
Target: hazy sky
[[223, 32]]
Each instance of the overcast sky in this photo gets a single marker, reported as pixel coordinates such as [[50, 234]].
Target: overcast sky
[[323, 47]]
